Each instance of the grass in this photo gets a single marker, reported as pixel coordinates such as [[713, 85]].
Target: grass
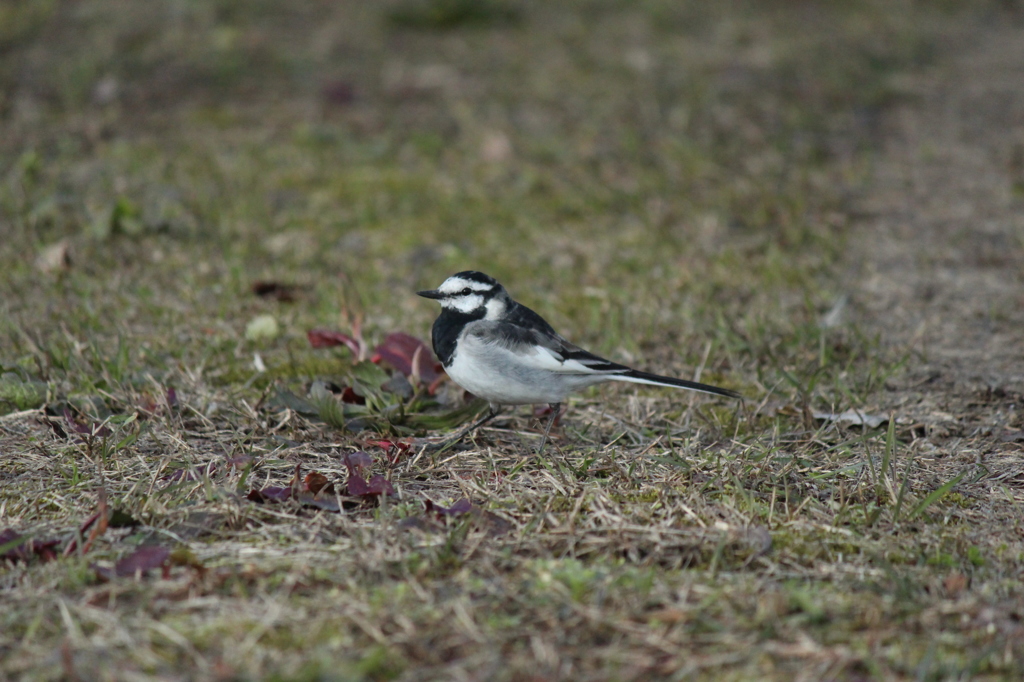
[[666, 182]]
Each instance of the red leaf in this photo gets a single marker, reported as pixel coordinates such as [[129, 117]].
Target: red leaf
[[45, 550], [138, 563], [26, 547], [377, 486], [141, 561], [487, 521], [381, 486], [325, 338], [544, 412], [409, 355], [463, 506], [271, 493], [91, 430], [393, 449], [390, 445], [357, 485], [357, 462], [8, 536], [351, 397]]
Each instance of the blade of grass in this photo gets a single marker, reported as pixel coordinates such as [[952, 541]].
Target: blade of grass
[[903, 486], [936, 495]]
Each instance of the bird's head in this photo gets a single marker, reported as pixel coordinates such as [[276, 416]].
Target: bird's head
[[471, 292]]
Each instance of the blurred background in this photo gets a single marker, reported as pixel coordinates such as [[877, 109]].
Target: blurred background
[[641, 172]]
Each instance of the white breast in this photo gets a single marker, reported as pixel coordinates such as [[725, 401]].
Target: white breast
[[500, 376]]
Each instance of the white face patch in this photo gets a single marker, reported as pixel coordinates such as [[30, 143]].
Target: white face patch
[[466, 303], [467, 295], [495, 309]]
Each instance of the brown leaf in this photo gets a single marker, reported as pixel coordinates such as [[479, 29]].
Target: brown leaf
[[668, 616], [955, 583], [100, 526], [316, 482], [138, 563], [286, 293], [296, 484], [55, 257], [99, 517]]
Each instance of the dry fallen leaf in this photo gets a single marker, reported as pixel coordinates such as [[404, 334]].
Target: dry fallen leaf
[[137, 564], [955, 583], [55, 257]]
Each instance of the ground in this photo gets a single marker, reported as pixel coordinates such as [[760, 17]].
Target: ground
[[816, 205]]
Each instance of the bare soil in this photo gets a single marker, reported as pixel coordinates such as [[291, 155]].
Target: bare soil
[[937, 257]]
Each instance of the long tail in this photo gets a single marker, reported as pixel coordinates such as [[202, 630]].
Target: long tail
[[638, 377]]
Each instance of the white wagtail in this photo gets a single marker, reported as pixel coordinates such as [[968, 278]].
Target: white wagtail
[[505, 353]]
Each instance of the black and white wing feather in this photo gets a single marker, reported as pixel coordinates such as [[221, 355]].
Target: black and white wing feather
[[536, 343]]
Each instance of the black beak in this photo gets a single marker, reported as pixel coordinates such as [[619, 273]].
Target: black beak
[[430, 293]]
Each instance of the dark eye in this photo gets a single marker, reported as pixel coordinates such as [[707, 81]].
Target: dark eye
[[466, 292]]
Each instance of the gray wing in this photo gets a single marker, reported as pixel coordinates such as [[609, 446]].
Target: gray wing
[[542, 349]]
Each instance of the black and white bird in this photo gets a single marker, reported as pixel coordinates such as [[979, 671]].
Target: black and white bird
[[503, 352]]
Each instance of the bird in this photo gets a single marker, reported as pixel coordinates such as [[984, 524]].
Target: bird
[[503, 352]]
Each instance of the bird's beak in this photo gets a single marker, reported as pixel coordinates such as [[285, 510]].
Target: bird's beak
[[430, 293]]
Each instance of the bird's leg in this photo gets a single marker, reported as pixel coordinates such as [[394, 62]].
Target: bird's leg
[[492, 412], [555, 409]]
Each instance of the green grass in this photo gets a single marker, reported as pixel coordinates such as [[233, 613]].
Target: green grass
[[666, 182]]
